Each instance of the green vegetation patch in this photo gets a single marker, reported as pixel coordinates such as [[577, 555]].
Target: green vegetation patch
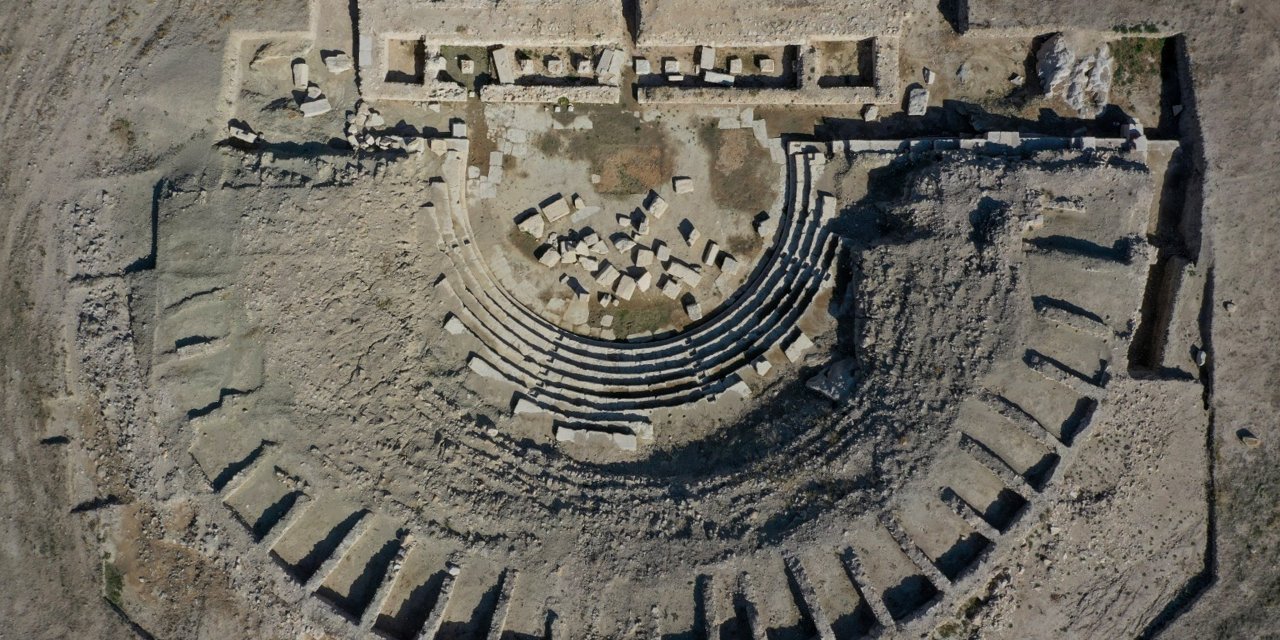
[[1137, 58]]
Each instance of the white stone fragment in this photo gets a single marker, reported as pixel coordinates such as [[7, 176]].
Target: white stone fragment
[[644, 282], [766, 64], [458, 129], [301, 75], [710, 253], [762, 366], [549, 256], [315, 108], [625, 287], [556, 208], [453, 325], [917, 100], [871, 113], [735, 65], [483, 368], [642, 66], [669, 287], [707, 57], [670, 65], [796, 349], [682, 184], [655, 205], [338, 62], [644, 257], [692, 308], [717, 78], [607, 275]]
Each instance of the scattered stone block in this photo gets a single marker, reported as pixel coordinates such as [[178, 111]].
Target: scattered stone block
[[687, 274], [692, 308], [301, 75], [555, 208], [735, 65], [741, 388], [607, 275], [682, 184], [710, 253], [929, 75], [670, 65], [728, 264], [315, 108], [531, 223], [655, 205], [644, 282], [548, 256], [438, 146], [644, 257], [625, 287], [661, 249], [466, 65], [243, 135], [917, 100], [766, 64], [762, 366], [669, 287], [590, 264], [642, 67], [623, 242], [338, 62], [689, 232], [313, 92], [871, 113], [675, 77], [606, 321]]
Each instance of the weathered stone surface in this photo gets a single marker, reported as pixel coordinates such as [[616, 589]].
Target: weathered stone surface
[[301, 75], [682, 184], [556, 208], [835, 381], [917, 100], [796, 349], [315, 107]]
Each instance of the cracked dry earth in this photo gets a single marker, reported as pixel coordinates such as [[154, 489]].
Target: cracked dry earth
[[276, 390]]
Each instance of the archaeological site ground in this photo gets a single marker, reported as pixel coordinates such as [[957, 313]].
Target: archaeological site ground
[[582, 319]]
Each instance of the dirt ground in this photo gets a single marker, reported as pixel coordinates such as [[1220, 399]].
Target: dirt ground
[[230, 410]]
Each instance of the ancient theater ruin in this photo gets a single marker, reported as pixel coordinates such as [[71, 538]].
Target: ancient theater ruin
[[773, 319]]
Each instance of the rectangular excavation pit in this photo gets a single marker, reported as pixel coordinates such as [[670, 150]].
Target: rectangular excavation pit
[[414, 595], [314, 537], [472, 601], [262, 500], [354, 580], [979, 488], [845, 63], [845, 607], [406, 61]]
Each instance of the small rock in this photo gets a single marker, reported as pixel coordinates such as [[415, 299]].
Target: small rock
[[929, 75], [1249, 440], [871, 113]]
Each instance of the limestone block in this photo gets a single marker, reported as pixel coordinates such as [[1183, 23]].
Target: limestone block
[[766, 64], [458, 129], [735, 65], [504, 64], [606, 321], [453, 325], [315, 108], [655, 205], [670, 65], [796, 349], [917, 100], [549, 256], [483, 368], [710, 253], [607, 275], [669, 287], [555, 66], [717, 78], [625, 287], [692, 308], [338, 62], [644, 282], [642, 67], [741, 388], [584, 67], [687, 274], [728, 264], [590, 264], [766, 226], [682, 184], [707, 57], [661, 249], [556, 208], [301, 75], [644, 257], [871, 113], [466, 65], [762, 366], [835, 381], [623, 242]]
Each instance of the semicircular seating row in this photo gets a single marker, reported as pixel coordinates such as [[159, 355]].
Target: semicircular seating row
[[593, 383]]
